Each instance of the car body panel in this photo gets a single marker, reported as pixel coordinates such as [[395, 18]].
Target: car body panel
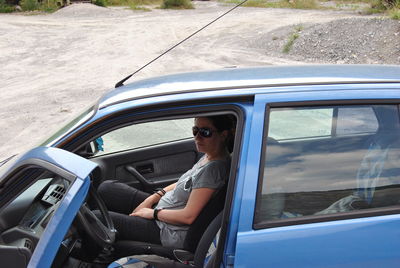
[[352, 243], [365, 242], [287, 100], [72, 168], [252, 77], [179, 99], [59, 224], [49, 157]]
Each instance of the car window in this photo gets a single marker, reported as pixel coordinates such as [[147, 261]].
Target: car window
[[336, 171], [356, 120], [145, 134], [86, 115], [288, 123]]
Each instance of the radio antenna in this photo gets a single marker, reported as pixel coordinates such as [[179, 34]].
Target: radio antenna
[[121, 83]]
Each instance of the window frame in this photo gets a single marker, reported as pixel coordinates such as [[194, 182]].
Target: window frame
[[265, 224], [238, 106]]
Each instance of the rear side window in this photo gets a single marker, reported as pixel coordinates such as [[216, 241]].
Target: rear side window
[[356, 120], [289, 123], [320, 161]]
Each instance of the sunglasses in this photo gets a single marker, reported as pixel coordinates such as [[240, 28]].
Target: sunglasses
[[204, 132]]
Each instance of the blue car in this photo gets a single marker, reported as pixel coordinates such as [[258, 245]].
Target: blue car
[[314, 178]]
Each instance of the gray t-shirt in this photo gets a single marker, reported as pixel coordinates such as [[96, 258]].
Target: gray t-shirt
[[211, 175]]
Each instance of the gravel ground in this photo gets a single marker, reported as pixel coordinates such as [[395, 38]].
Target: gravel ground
[[362, 40], [53, 66]]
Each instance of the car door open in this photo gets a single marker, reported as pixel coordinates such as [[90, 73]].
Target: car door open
[[50, 184]]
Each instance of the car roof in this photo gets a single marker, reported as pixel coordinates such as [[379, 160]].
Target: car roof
[[256, 77]]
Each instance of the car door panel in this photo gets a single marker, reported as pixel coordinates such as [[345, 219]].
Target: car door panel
[[160, 165], [345, 240], [45, 228], [347, 243]]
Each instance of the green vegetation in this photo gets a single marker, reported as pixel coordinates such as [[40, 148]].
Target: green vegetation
[[133, 3], [101, 3], [389, 7], [29, 5], [51, 5], [177, 4], [35, 5], [394, 9], [297, 4], [292, 38], [5, 8], [395, 13], [376, 6], [143, 4]]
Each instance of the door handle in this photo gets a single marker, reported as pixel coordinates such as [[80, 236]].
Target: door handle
[[145, 169], [148, 186]]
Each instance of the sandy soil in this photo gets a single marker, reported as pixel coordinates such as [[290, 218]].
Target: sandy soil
[[54, 66]]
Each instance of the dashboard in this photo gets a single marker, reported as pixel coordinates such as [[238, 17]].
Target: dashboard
[[24, 220]]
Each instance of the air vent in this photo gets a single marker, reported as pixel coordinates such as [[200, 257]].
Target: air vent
[[58, 193], [54, 194], [28, 244]]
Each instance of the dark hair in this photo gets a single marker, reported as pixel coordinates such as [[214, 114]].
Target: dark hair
[[225, 122]]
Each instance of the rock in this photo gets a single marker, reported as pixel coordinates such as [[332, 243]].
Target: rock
[[353, 40]]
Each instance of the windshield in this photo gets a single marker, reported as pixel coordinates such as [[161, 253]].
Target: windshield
[[86, 115], [6, 164], [6, 160]]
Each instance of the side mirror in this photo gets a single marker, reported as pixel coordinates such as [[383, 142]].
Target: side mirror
[[91, 148]]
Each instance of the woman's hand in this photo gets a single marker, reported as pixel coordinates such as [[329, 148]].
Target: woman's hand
[[146, 213], [147, 203], [152, 199]]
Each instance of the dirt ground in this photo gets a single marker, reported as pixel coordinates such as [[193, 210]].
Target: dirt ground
[[54, 66]]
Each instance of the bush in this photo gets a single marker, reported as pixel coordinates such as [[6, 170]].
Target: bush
[[134, 4], [391, 3], [138, 7], [292, 38], [29, 5], [50, 5], [177, 4], [303, 4], [101, 3], [5, 8], [395, 13]]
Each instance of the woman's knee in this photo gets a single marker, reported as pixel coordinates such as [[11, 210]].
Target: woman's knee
[[105, 187], [120, 197]]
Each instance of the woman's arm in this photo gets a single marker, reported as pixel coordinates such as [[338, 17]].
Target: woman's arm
[[197, 200], [152, 199]]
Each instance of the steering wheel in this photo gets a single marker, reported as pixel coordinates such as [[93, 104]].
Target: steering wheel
[[102, 233]]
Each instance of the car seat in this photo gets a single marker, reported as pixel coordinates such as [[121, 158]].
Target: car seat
[[197, 228], [201, 257]]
